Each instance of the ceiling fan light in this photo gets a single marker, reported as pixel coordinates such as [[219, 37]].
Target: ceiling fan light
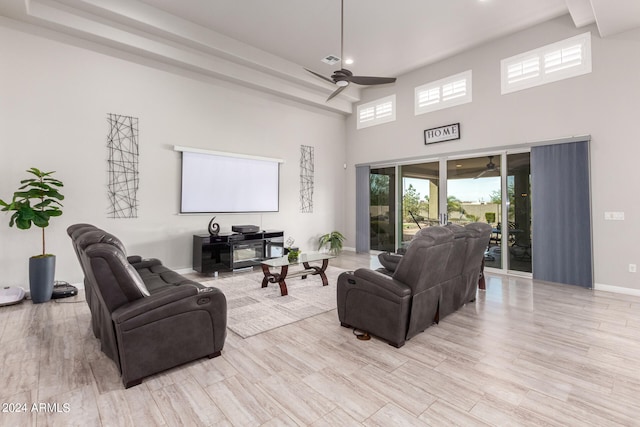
[[342, 83], [348, 61]]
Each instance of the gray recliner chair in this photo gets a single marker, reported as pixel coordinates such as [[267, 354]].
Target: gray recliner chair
[[398, 307], [148, 318]]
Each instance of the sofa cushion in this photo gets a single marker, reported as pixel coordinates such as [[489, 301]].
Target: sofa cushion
[[158, 277]]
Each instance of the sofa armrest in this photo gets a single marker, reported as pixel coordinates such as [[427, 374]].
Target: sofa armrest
[[133, 259], [375, 282], [169, 328], [144, 262], [175, 299], [383, 282], [389, 261], [374, 302]]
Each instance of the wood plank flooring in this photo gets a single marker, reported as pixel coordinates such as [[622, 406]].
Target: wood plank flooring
[[526, 353]]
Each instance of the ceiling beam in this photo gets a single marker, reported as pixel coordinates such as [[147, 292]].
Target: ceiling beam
[[581, 12], [137, 28], [611, 17], [617, 16]]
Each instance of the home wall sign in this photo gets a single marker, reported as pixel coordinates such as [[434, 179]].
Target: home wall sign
[[442, 133]]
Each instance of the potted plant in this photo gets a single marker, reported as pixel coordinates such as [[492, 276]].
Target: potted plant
[[293, 255], [290, 251], [35, 202], [334, 240]]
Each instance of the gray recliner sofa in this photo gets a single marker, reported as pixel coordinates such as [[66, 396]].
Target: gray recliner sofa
[[148, 318], [437, 274]]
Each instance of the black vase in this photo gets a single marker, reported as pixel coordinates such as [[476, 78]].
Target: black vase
[[41, 277]]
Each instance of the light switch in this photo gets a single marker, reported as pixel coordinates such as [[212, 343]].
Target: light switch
[[614, 216]]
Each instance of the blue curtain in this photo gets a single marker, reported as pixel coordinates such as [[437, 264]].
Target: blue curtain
[[561, 212]]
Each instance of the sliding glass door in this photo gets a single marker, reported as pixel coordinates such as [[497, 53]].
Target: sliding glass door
[[473, 190], [474, 194], [382, 208], [493, 188], [519, 212], [419, 205]]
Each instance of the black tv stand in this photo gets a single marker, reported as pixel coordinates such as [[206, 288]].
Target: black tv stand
[[230, 251]]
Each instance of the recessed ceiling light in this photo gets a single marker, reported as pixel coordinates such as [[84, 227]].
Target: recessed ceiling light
[[458, 165], [348, 61]]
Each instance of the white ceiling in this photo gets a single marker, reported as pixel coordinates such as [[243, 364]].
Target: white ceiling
[[264, 44], [383, 37]]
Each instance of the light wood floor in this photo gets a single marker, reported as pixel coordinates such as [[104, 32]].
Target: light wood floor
[[525, 353]]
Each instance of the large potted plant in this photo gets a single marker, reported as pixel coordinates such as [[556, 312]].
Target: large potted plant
[[35, 202], [334, 240]]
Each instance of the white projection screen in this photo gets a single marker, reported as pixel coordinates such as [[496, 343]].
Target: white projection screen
[[221, 182]]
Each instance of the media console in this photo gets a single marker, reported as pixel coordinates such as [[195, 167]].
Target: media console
[[231, 251]]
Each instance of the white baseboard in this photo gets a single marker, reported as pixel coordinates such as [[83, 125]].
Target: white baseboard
[[616, 289], [185, 271]]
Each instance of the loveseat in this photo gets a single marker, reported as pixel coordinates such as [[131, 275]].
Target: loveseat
[[437, 274], [147, 317]]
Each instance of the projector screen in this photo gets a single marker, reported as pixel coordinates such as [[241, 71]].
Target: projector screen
[[221, 182]]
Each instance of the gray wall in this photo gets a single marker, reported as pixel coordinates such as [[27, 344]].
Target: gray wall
[[54, 101], [604, 104]]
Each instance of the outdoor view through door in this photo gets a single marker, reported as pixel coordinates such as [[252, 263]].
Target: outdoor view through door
[[382, 202], [479, 189], [420, 192]]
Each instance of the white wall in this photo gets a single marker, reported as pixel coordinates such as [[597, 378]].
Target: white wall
[[54, 102], [604, 104]]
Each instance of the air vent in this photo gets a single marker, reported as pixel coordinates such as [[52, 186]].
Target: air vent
[[330, 59]]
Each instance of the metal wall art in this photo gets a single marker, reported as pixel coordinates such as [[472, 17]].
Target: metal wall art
[[122, 143], [306, 179]]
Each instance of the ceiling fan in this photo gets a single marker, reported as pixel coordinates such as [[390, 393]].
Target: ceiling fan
[[343, 77], [491, 167]]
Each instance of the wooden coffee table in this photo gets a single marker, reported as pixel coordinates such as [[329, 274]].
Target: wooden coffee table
[[284, 263]]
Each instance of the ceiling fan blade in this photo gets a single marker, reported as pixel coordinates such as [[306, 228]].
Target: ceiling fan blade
[[481, 173], [320, 75], [489, 171], [366, 80], [335, 92]]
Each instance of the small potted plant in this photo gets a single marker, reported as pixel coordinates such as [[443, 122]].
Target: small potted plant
[[334, 240], [290, 251], [35, 202], [293, 254]]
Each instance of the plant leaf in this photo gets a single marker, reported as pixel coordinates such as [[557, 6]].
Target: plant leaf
[[23, 224], [35, 171], [41, 219]]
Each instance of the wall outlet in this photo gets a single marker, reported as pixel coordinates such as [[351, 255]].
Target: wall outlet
[[632, 268]]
